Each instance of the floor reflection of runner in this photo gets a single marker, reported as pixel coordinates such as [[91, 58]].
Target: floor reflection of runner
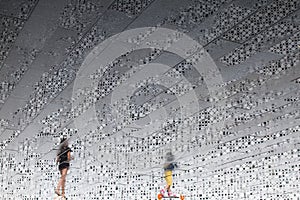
[[63, 159], [169, 166]]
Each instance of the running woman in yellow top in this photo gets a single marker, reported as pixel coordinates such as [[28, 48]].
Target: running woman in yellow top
[[169, 166]]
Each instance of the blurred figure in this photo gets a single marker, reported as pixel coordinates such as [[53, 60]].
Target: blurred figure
[[63, 160], [169, 166]]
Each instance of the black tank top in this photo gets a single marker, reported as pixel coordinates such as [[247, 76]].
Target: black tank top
[[63, 155]]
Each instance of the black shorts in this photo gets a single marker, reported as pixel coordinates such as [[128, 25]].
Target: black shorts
[[63, 166]]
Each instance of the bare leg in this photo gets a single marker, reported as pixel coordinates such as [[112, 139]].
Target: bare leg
[[61, 182], [63, 176], [168, 188], [58, 186]]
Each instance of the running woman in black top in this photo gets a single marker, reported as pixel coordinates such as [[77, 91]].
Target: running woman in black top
[[63, 159]]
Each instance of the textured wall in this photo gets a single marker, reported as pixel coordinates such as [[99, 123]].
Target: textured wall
[[215, 81]]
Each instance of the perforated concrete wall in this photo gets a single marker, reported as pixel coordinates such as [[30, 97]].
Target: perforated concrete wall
[[214, 81]]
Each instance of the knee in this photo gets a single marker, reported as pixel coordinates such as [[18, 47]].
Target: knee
[[63, 176]]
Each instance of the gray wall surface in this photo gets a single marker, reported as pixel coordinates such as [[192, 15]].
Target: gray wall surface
[[214, 81]]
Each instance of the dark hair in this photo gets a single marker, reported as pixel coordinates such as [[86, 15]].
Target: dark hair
[[169, 156], [63, 146], [63, 139], [63, 143]]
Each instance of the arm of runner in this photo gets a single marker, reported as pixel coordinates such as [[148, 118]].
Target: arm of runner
[[69, 155]]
